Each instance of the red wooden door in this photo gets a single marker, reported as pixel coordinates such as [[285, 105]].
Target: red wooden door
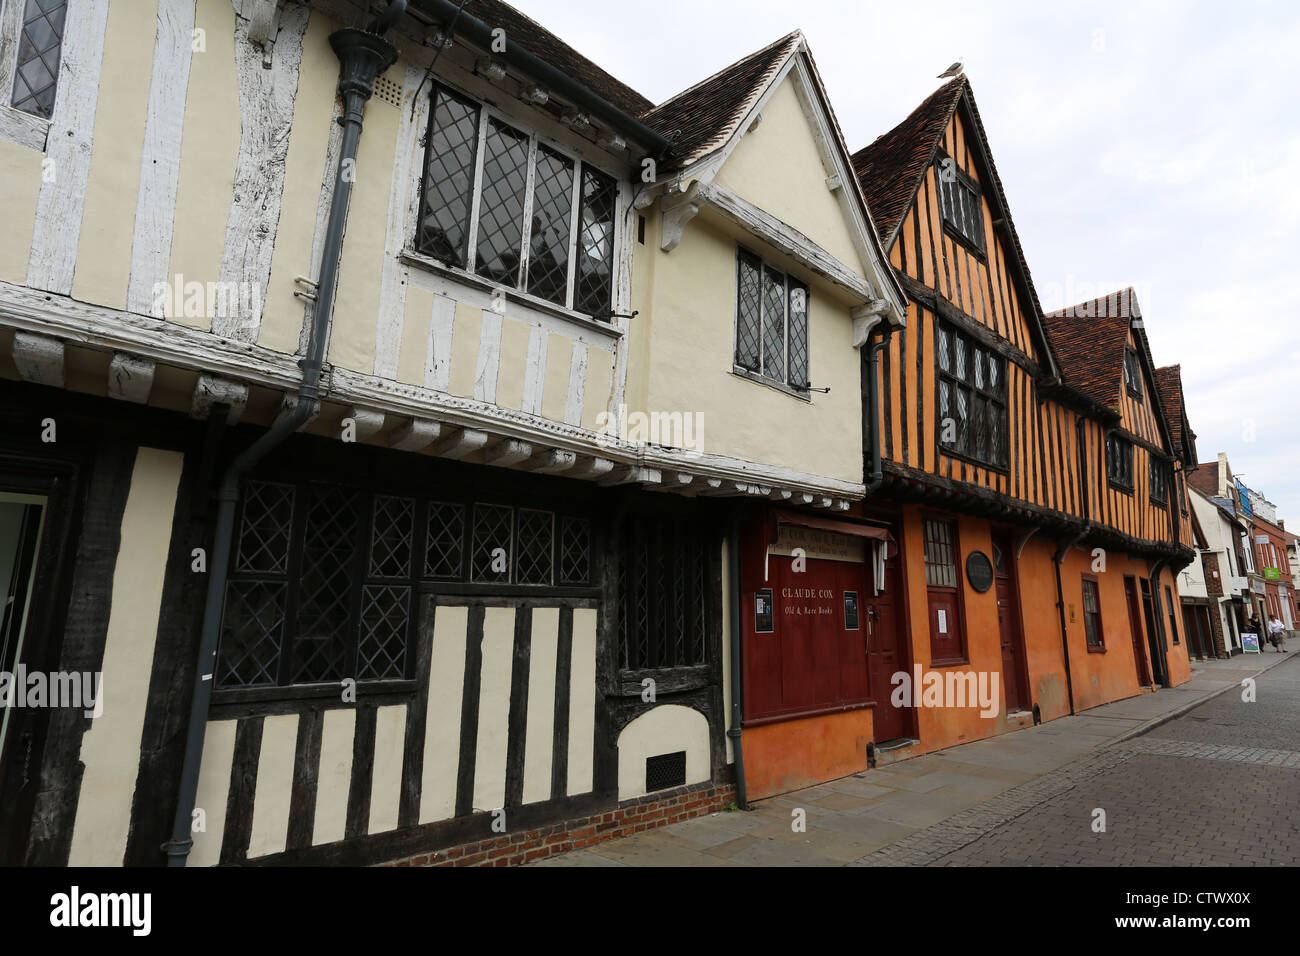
[[1135, 626], [1010, 633], [885, 656]]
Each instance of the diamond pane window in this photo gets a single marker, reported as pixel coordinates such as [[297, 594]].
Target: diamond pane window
[[664, 598], [594, 287], [390, 545], [773, 324], [535, 550], [798, 313], [268, 520], [381, 653], [1092, 613], [960, 204], [548, 257], [501, 207], [37, 69], [748, 311], [449, 178], [575, 551], [251, 633], [320, 644], [445, 542], [490, 558]]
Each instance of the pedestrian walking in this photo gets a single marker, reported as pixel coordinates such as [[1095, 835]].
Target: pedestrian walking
[[1277, 634]]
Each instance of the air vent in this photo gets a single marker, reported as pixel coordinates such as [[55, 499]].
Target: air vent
[[665, 771], [388, 91]]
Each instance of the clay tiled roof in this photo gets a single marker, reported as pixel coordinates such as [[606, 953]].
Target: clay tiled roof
[[890, 169], [702, 118], [546, 46], [1089, 340], [1169, 380], [1205, 478]]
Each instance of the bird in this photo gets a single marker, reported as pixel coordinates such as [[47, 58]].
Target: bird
[[954, 70]]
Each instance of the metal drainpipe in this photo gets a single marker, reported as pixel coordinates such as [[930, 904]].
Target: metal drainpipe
[[362, 57], [877, 476], [1057, 558], [734, 732]]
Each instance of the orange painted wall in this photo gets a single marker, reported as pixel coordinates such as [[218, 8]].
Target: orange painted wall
[[793, 754]]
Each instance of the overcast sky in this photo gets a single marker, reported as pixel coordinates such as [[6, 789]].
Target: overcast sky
[[1146, 144]]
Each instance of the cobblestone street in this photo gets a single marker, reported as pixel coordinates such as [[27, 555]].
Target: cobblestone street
[[1219, 786]]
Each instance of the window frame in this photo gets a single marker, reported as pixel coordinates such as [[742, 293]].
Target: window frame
[[1133, 376], [1115, 443], [466, 268], [982, 395], [789, 284], [1159, 473], [19, 126], [422, 578], [957, 590], [1173, 622], [970, 190], [1099, 645]]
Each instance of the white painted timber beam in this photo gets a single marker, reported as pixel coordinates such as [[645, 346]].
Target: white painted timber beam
[[210, 390], [552, 461], [781, 494], [632, 474], [461, 443], [39, 359], [506, 453], [415, 435], [365, 421], [784, 238], [592, 468], [130, 379]]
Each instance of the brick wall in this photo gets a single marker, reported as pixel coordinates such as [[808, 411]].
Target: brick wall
[[631, 816], [1214, 588]]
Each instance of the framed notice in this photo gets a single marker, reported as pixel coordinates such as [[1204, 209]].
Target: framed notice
[[851, 611], [1249, 642], [763, 616]]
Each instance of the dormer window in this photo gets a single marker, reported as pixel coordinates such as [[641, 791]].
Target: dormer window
[[517, 212], [1132, 373], [960, 203]]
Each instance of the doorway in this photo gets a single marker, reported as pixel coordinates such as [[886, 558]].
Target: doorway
[[1011, 633], [1153, 635], [1135, 630], [886, 656]]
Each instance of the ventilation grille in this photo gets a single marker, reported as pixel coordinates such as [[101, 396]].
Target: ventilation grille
[[665, 771], [388, 91]]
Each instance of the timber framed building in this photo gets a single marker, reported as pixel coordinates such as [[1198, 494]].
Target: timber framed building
[[441, 452]]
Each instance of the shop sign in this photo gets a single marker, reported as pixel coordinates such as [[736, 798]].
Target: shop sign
[[979, 571], [1272, 574], [818, 544]]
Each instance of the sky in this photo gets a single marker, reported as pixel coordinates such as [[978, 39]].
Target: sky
[[1144, 144]]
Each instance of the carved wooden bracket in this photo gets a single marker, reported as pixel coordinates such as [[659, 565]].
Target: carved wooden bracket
[[678, 210]]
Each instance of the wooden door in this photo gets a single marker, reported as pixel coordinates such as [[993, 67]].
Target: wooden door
[[885, 654], [1011, 634], [1135, 628], [1153, 634]]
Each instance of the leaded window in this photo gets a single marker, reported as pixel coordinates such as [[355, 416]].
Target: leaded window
[[517, 212], [960, 203], [1158, 474], [972, 398], [771, 322], [664, 574], [1132, 373], [36, 72], [1092, 613], [1119, 461], [323, 578]]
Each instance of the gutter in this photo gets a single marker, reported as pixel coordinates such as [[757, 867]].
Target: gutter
[[362, 57], [1057, 558], [480, 35]]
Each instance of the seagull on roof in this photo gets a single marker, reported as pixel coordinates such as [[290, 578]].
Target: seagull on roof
[[954, 70]]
